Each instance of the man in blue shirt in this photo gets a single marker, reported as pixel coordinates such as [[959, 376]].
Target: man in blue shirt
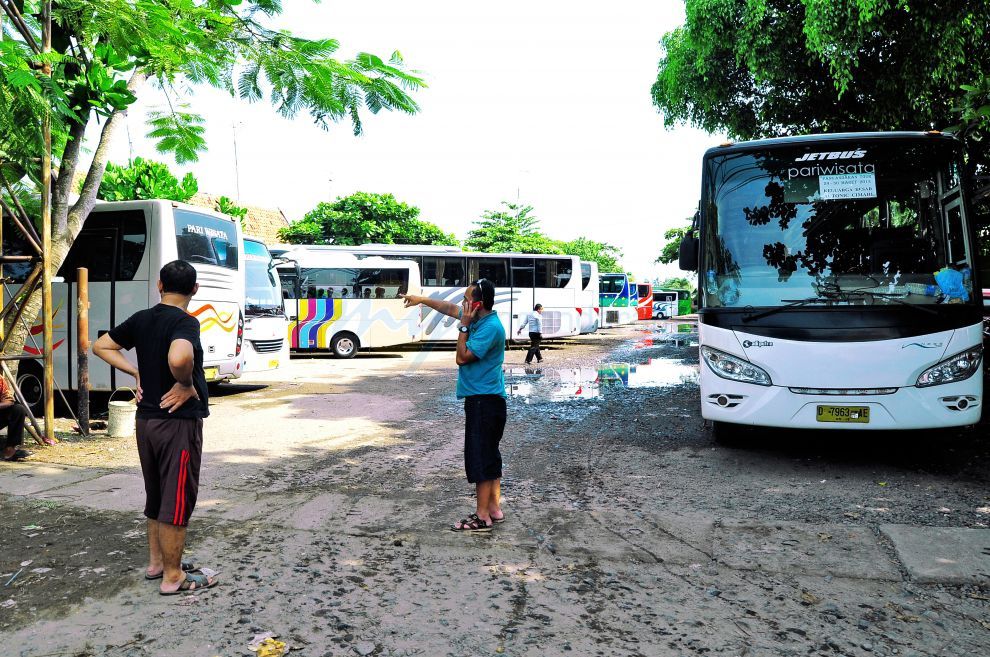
[[480, 383]]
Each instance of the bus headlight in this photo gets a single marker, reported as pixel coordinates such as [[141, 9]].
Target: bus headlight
[[961, 366], [734, 368]]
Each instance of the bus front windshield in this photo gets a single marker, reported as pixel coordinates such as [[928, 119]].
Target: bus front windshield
[[262, 292], [612, 283], [864, 223]]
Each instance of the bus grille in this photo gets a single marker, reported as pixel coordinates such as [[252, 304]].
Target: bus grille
[[267, 346], [612, 316], [551, 322]]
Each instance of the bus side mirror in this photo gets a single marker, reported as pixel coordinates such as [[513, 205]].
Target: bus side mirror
[[687, 255]]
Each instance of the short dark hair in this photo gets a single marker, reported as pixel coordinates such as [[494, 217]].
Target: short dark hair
[[538, 306], [178, 277], [484, 289]]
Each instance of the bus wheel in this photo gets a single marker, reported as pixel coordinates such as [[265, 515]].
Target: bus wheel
[[728, 434], [30, 381], [344, 345]]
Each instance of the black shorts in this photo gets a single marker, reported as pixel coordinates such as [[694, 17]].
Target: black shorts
[[170, 452], [483, 427]]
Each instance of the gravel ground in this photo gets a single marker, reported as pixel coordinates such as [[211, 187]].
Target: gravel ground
[[328, 487]]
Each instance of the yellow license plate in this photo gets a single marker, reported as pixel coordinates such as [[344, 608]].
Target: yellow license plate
[[273, 364], [859, 414], [212, 373]]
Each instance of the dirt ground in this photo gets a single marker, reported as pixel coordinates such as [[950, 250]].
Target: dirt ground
[[328, 486]]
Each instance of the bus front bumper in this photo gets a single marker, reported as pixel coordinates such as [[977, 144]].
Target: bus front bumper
[[948, 405]]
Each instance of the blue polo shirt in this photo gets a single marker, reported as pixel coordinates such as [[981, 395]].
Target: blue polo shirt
[[486, 340]]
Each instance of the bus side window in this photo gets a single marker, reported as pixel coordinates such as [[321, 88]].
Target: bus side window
[[495, 270], [93, 249]]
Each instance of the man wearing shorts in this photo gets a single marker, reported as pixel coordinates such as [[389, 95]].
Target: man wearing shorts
[[480, 383], [172, 402]]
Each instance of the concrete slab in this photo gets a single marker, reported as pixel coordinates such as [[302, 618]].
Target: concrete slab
[[113, 492], [26, 478], [803, 549], [942, 555]]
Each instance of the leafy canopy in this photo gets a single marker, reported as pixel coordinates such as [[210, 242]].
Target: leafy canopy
[[364, 218], [145, 180]]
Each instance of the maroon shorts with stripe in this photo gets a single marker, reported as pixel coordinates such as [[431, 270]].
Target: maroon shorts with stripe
[[170, 452]]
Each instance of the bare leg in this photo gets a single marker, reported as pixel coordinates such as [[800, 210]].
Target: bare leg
[[172, 540], [485, 490], [155, 563], [495, 507]]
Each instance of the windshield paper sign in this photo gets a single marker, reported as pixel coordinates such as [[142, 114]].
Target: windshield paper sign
[[849, 185]]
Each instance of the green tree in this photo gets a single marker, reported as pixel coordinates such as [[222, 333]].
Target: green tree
[[758, 68], [676, 283], [145, 179], [364, 218], [104, 52], [606, 255], [671, 249], [511, 229]]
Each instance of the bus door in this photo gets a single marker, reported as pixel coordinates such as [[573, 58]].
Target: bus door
[[523, 279], [111, 246]]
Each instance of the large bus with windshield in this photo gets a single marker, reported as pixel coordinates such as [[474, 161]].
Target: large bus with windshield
[[617, 299], [340, 303], [124, 245], [588, 306], [521, 281], [644, 300], [266, 346], [838, 284]]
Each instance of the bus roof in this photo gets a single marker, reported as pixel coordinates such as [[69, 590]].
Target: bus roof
[[798, 140], [307, 258], [412, 249]]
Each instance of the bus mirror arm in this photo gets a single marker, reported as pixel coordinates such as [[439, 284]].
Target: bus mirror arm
[[687, 255]]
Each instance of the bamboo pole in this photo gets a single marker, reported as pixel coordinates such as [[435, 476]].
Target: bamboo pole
[[82, 315], [46, 238]]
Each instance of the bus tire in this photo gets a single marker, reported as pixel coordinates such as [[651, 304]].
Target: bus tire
[[31, 383], [345, 345], [728, 434]]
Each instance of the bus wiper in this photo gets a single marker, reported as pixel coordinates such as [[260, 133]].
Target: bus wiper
[[791, 303]]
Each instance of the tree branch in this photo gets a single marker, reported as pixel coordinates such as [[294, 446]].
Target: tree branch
[[66, 173], [15, 17]]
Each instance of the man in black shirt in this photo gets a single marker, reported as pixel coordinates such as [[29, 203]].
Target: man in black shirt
[[172, 402]]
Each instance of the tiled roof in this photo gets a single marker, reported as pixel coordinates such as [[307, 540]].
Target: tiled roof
[[263, 223]]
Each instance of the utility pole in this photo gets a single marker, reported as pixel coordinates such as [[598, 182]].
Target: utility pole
[[46, 238], [237, 168]]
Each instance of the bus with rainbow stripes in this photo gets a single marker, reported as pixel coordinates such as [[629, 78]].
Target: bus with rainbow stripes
[[339, 303]]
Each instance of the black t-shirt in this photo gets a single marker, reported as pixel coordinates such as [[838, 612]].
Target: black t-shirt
[[151, 332]]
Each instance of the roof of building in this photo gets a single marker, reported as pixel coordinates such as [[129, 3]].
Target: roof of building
[[263, 223]]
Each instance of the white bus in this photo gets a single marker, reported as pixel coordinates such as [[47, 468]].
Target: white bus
[[338, 302], [266, 346], [838, 286], [521, 281], [589, 302], [124, 245]]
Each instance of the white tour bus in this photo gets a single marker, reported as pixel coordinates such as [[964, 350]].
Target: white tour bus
[[521, 281], [618, 298], [339, 302], [124, 245], [266, 346], [837, 284], [589, 301]]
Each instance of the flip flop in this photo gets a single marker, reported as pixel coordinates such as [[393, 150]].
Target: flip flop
[[193, 582], [187, 566], [19, 455]]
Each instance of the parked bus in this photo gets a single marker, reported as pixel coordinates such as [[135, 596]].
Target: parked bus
[[837, 284], [644, 301], [588, 307], [618, 300], [670, 303], [265, 321], [338, 302], [520, 280], [124, 245]]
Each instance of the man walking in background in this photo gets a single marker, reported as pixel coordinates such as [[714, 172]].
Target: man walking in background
[[480, 383], [534, 322], [172, 402]]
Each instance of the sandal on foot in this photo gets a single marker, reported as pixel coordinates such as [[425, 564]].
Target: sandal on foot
[[19, 455], [193, 582], [472, 525], [498, 521], [187, 567]]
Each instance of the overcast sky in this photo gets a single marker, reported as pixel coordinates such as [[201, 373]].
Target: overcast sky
[[548, 101]]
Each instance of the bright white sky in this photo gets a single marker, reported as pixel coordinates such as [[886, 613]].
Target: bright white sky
[[545, 100]]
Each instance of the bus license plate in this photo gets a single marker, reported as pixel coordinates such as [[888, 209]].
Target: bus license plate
[[843, 414], [212, 373]]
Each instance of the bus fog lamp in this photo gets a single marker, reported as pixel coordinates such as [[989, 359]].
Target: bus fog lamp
[[734, 368], [956, 368]]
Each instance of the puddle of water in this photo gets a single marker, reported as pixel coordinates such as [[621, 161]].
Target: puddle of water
[[563, 384], [678, 334]]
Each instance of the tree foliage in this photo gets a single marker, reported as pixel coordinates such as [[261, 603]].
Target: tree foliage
[[145, 179], [606, 255], [364, 218], [760, 68], [671, 249], [676, 283]]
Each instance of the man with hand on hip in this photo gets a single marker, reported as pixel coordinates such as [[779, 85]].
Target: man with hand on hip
[[480, 383], [172, 402]]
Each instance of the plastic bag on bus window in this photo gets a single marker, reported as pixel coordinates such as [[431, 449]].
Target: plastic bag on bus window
[[950, 282]]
